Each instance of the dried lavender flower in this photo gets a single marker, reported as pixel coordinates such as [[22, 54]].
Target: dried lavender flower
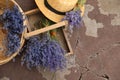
[[42, 51], [73, 17], [13, 24]]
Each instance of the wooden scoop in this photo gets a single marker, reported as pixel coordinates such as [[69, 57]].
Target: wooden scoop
[[48, 28]]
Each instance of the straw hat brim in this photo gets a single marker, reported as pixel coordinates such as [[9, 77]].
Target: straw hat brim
[[49, 14]]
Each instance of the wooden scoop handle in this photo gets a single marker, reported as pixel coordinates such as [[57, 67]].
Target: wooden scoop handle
[[36, 32], [45, 29]]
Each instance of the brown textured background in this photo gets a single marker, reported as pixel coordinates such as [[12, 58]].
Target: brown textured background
[[97, 54]]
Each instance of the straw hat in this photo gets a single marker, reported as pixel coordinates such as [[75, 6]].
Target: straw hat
[[55, 9]]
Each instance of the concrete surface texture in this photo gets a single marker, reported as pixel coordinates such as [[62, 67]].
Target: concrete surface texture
[[96, 46]]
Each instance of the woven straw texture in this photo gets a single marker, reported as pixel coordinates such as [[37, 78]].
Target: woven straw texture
[[4, 59], [51, 15]]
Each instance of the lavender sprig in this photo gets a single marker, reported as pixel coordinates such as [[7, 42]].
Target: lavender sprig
[[13, 24], [42, 51], [13, 20], [73, 17], [13, 43]]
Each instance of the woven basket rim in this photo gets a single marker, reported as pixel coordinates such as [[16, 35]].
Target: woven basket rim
[[9, 58]]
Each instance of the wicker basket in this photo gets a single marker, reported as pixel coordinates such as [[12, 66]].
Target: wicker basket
[[4, 59]]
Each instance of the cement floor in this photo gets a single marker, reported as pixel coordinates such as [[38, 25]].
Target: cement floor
[[96, 46]]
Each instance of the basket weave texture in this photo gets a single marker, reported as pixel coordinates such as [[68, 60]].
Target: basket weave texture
[[4, 59]]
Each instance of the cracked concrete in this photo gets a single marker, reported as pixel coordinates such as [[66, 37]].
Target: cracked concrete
[[5, 78], [116, 20], [91, 25], [60, 74], [96, 46], [110, 7]]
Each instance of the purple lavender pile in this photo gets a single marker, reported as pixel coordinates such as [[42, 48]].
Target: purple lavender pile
[[44, 52], [13, 20], [13, 43], [13, 24], [73, 17]]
